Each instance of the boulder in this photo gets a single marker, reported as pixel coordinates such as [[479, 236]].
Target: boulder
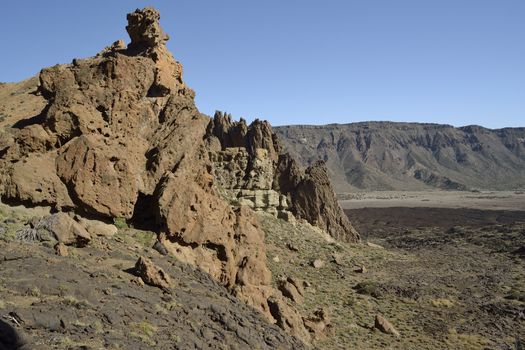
[[159, 247], [290, 291], [64, 229], [297, 283], [385, 326], [151, 274], [61, 249], [35, 182], [318, 263], [318, 324], [95, 173], [287, 318], [10, 338], [337, 259], [98, 228]]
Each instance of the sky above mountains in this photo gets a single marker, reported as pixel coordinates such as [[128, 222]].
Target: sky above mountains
[[456, 62]]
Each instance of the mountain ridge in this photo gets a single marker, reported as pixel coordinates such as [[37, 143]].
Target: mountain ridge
[[388, 155], [398, 123]]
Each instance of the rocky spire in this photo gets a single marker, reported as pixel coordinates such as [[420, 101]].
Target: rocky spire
[[145, 31], [309, 192], [149, 39]]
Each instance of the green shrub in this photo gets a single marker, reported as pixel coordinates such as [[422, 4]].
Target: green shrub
[[368, 288], [145, 238], [120, 223]]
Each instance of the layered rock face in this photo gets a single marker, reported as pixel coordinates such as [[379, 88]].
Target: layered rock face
[[120, 136], [251, 165], [245, 180], [411, 156]]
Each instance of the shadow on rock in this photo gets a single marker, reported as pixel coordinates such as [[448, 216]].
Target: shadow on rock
[[10, 339]]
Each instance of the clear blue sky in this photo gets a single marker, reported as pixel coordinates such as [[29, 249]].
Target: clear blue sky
[[307, 62]]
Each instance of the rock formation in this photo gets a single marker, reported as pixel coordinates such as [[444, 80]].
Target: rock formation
[[319, 324], [120, 137], [313, 199], [151, 274], [249, 163], [57, 227]]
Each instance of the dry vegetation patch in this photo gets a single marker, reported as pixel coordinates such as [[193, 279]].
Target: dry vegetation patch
[[441, 288]]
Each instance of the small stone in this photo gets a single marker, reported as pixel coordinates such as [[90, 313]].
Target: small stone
[[138, 281], [318, 263], [373, 245], [276, 259], [385, 326], [306, 284], [292, 247], [61, 249], [360, 269], [158, 246], [337, 259]]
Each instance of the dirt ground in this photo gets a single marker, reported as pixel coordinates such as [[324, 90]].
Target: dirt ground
[[446, 278], [469, 264], [446, 268], [442, 286], [485, 200], [92, 300]]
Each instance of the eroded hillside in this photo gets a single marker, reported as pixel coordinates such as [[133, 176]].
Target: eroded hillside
[[411, 156]]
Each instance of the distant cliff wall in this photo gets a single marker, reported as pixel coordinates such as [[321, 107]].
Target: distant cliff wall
[[411, 156]]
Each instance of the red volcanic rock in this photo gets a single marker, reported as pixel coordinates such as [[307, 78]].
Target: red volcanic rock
[[120, 136]]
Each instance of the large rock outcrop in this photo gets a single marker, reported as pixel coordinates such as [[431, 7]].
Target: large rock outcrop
[[314, 200], [258, 172], [120, 136]]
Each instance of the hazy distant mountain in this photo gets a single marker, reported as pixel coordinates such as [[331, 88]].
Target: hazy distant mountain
[[411, 156]]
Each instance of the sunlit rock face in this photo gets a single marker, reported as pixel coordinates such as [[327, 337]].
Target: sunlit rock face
[[120, 137]]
